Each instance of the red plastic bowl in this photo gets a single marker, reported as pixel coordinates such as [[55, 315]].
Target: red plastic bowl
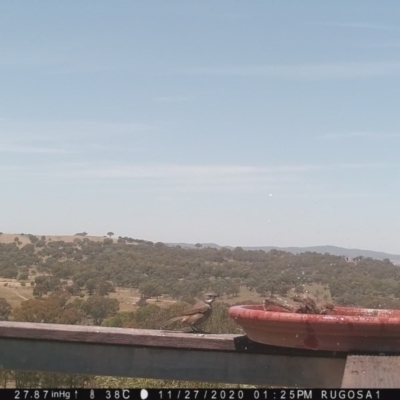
[[344, 329]]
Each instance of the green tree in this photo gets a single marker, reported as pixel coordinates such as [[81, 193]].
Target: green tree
[[23, 276], [150, 289], [29, 247], [61, 297], [150, 317], [5, 309], [39, 290], [110, 234], [262, 288], [70, 315], [37, 310], [98, 308], [74, 289], [119, 320], [104, 287], [91, 285], [9, 273], [33, 239], [54, 310]]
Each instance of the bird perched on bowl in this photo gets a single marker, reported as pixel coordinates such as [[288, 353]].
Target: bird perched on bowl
[[197, 314]]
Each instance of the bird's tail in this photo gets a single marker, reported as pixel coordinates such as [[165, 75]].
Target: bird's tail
[[170, 321]]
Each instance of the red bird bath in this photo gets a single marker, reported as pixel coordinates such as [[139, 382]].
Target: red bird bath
[[343, 329]]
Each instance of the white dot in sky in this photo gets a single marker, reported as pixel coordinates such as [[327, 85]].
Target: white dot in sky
[[270, 194]]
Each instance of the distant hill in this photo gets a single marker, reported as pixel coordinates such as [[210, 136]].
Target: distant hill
[[334, 250]]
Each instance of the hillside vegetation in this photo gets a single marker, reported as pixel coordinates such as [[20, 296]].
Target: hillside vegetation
[[134, 283]]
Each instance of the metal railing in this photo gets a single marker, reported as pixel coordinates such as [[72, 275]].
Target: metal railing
[[155, 354]]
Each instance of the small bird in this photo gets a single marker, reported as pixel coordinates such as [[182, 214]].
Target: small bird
[[197, 314]]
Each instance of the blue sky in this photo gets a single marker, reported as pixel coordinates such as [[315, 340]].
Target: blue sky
[[239, 123]]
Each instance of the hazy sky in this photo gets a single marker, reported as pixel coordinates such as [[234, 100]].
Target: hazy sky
[[240, 123]]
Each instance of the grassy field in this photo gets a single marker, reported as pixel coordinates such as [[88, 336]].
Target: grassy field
[[23, 238], [14, 293]]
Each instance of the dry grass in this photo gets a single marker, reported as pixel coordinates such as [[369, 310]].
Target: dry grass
[[72, 238], [14, 293], [128, 297], [9, 238], [244, 295]]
